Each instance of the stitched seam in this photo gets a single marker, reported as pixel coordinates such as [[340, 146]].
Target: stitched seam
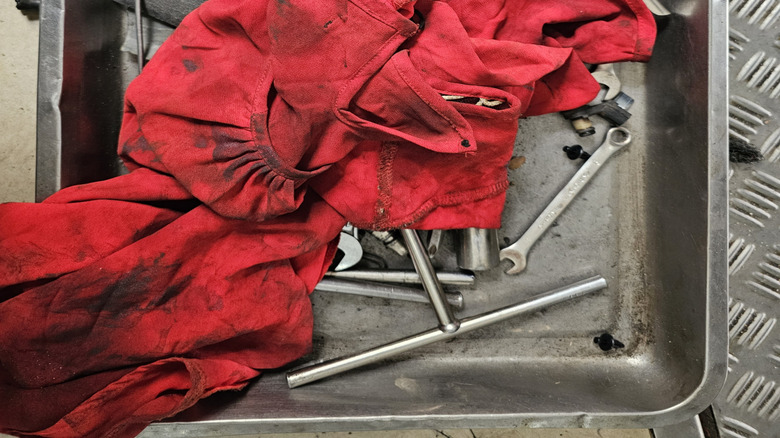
[[385, 182], [192, 395], [637, 31], [442, 201], [417, 92], [281, 168], [154, 151], [257, 91], [359, 71], [365, 65], [269, 156], [375, 16]]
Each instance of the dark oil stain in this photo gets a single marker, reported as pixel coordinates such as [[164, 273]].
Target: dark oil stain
[[180, 206], [273, 32], [229, 149], [126, 149], [201, 142], [257, 122], [139, 144], [61, 333], [190, 65], [282, 8], [173, 291], [327, 24], [125, 293], [96, 350], [215, 303], [143, 145], [236, 164], [80, 256]]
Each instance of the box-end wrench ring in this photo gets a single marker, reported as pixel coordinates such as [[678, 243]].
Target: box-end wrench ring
[[615, 140]]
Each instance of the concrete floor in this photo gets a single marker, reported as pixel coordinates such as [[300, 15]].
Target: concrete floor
[[18, 76]]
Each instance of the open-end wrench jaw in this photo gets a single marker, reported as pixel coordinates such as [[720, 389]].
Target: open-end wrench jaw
[[517, 253]]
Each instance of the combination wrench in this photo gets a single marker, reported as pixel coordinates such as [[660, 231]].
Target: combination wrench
[[615, 140]]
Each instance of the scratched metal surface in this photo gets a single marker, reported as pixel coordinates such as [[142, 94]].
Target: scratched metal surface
[[749, 405]]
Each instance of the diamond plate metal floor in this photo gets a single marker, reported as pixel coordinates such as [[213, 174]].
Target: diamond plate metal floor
[[749, 405]]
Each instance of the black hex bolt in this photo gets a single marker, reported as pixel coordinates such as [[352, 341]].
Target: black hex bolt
[[606, 342], [575, 152], [24, 5]]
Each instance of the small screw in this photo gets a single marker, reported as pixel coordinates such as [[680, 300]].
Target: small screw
[[606, 342], [576, 151]]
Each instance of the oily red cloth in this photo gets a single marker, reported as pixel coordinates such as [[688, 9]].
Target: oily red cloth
[[253, 135], [344, 97], [142, 304]]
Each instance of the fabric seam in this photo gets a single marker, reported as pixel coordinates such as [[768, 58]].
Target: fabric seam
[[385, 181], [271, 159], [427, 102], [640, 24], [441, 201], [339, 96]]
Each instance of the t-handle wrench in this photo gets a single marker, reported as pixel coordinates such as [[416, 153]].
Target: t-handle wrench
[[422, 264], [615, 140]]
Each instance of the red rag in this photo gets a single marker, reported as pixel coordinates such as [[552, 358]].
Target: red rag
[[253, 134], [227, 296], [451, 173]]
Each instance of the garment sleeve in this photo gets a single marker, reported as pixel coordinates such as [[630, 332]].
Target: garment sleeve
[[199, 112]]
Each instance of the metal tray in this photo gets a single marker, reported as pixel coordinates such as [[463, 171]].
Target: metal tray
[[653, 222]]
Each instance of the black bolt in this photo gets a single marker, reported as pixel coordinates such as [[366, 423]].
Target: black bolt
[[606, 342], [576, 151], [23, 5]]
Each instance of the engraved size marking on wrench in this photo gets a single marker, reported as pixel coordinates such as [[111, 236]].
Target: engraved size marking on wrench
[[615, 140]]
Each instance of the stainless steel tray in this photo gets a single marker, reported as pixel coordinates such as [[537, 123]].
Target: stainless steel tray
[[653, 222]]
